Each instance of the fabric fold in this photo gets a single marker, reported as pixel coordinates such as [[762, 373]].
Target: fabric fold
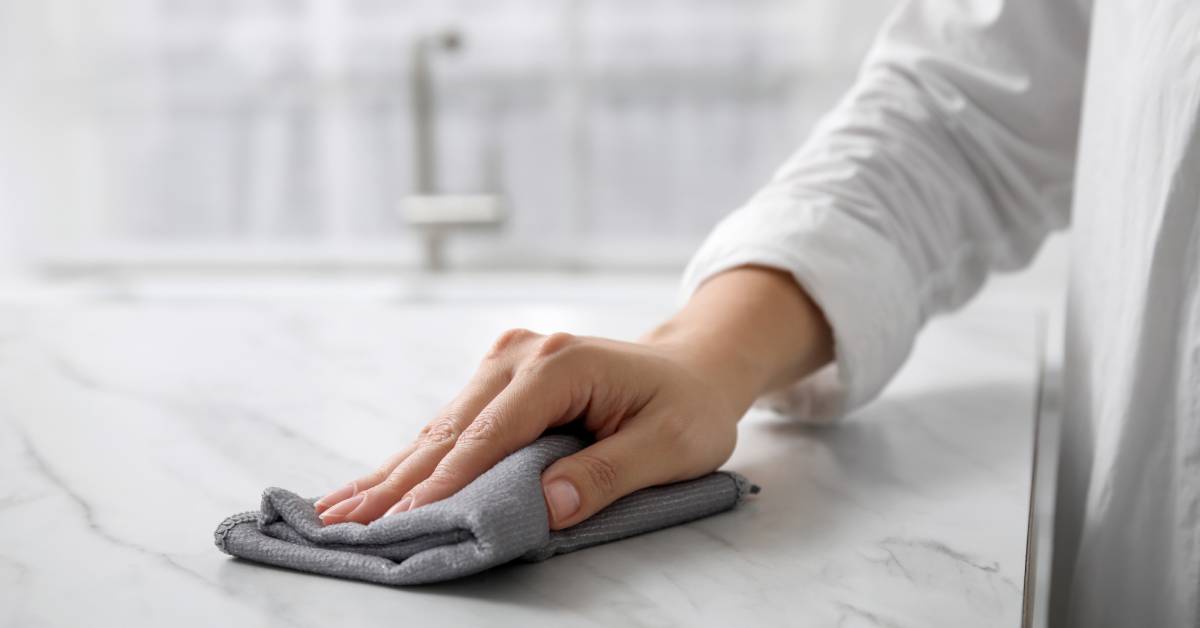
[[499, 517]]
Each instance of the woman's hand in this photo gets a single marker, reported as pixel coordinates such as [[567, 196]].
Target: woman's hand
[[662, 410], [657, 417]]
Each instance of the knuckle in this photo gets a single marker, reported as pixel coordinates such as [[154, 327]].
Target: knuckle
[[600, 473], [554, 343], [557, 352], [439, 433], [508, 339], [484, 428]]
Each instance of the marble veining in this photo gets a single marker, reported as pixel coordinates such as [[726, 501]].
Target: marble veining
[[129, 429]]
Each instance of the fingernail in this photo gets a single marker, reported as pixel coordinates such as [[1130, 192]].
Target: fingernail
[[338, 513], [563, 499], [401, 506], [336, 497]]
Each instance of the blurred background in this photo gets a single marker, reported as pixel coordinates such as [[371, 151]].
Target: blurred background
[[556, 135]]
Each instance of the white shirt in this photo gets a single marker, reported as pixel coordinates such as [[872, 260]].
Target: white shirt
[[975, 129]]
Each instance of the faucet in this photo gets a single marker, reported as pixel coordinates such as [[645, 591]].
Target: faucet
[[434, 215]]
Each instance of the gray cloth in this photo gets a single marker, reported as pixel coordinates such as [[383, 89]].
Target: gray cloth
[[499, 517]]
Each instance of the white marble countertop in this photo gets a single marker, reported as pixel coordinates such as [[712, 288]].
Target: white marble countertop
[[129, 429]]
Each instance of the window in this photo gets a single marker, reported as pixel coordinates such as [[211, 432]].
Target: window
[[615, 131]]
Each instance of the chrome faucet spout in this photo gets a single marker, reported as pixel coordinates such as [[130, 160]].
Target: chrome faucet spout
[[424, 108], [428, 211]]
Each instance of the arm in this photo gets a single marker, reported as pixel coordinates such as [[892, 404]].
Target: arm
[[951, 157]]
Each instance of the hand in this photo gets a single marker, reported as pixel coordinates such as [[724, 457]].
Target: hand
[[656, 415], [662, 410]]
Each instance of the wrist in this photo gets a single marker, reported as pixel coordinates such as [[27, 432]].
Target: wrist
[[722, 365], [749, 330]]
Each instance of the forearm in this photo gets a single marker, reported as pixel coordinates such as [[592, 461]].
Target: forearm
[[750, 330]]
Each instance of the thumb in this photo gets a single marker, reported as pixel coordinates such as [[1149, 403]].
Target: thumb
[[580, 485]]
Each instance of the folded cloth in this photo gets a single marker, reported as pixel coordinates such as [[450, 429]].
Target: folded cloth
[[499, 517]]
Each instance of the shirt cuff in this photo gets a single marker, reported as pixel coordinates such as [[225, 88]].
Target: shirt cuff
[[855, 275]]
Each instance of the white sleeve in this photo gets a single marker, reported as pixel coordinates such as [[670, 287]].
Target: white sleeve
[[953, 155]]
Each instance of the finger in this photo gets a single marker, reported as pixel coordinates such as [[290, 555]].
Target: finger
[[543, 396], [364, 482], [637, 456], [375, 493]]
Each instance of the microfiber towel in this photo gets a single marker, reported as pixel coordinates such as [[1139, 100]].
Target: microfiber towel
[[499, 517]]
